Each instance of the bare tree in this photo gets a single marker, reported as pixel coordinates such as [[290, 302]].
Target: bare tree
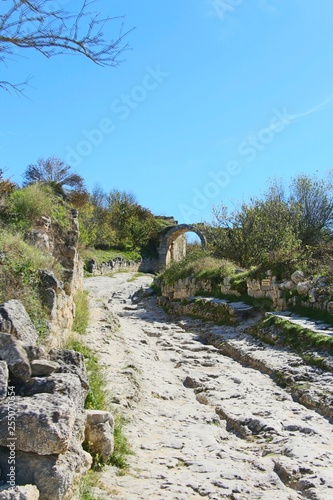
[[40, 25], [54, 172]]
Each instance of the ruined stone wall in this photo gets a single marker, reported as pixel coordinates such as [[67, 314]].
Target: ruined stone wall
[[146, 265], [314, 293], [59, 296], [43, 423], [184, 288]]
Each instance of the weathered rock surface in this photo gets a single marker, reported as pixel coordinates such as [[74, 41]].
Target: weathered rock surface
[[204, 422], [71, 362], [35, 352], [3, 379], [43, 423], [27, 492], [63, 384], [56, 476], [43, 367], [297, 276], [15, 320], [12, 351], [99, 433]]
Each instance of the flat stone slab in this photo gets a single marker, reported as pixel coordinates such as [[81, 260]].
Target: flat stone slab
[[316, 327]]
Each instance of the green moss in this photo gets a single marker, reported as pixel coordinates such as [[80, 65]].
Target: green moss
[[280, 331], [19, 277], [135, 276]]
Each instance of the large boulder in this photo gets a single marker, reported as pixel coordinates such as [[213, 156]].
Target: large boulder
[[15, 320], [43, 423], [56, 476], [12, 351], [64, 384], [48, 280]]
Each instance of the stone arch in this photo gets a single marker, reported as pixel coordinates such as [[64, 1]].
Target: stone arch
[[173, 243]]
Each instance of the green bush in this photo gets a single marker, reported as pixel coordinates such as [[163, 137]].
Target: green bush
[[19, 276], [201, 265], [26, 206]]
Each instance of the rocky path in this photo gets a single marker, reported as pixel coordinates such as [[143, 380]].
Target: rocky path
[[200, 423]]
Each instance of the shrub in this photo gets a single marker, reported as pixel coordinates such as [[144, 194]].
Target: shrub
[[26, 206], [199, 264], [19, 276]]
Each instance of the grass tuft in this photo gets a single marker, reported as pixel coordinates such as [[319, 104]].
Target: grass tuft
[[81, 319]]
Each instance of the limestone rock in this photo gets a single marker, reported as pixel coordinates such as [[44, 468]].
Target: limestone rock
[[49, 298], [56, 476], [44, 423], [3, 379], [286, 285], [91, 265], [71, 362], [64, 384], [15, 320], [303, 287], [191, 383], [297, 276], [312, 295], [38, 239], [35, 352], [26, 492], [48, 280], [43, 367], [11, 351], [99, 433]]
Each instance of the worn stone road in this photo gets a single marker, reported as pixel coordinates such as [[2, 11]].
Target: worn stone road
[[200, 423]]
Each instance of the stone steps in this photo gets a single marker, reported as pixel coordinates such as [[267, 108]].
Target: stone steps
[[239, 308]]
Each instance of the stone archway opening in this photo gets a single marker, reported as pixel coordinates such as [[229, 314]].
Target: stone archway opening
[[173, 243]]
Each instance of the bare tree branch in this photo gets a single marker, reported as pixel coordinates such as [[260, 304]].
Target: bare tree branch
[[36, 24]]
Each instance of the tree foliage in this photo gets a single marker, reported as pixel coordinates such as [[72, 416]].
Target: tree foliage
[[117, 220], [312, 199], [6, 188], [275, 225], [54, 172], [132, 222], [43, 26]]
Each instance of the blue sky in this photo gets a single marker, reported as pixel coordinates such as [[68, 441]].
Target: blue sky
[[214, 98]]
